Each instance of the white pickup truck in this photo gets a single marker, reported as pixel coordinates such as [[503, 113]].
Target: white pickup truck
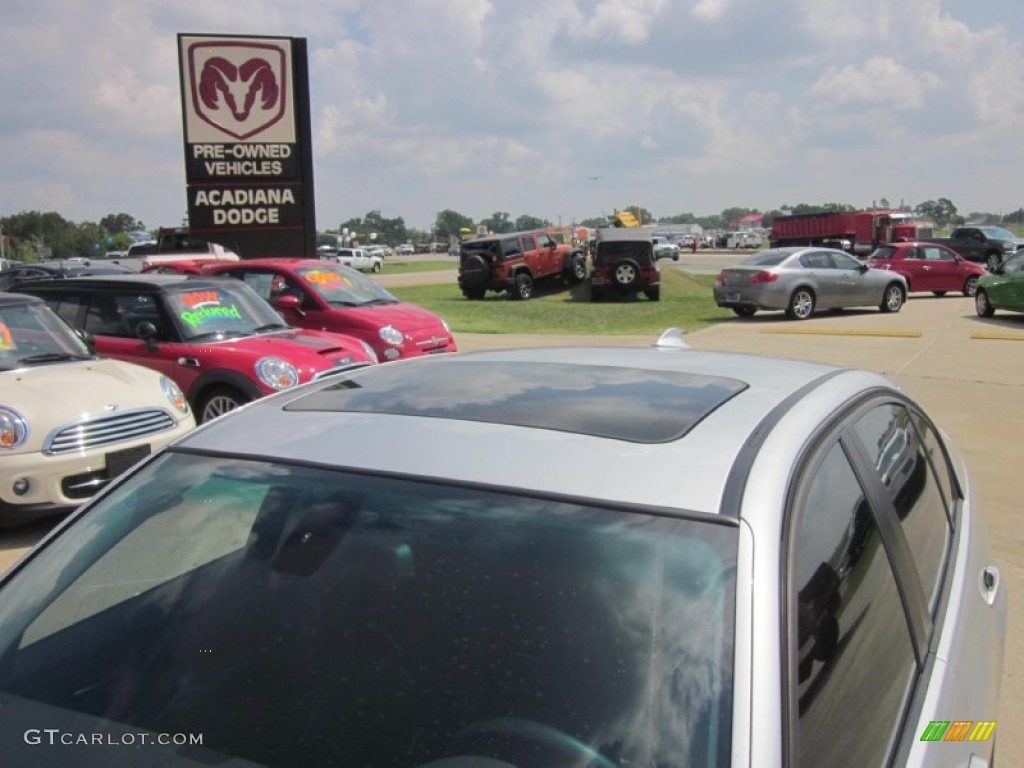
[[665, 248], [360, 258]]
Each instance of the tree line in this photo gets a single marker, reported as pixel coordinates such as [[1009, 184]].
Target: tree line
[[32, 235]]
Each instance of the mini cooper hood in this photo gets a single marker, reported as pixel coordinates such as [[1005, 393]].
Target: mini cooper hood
[[297, 341], [100, 387]]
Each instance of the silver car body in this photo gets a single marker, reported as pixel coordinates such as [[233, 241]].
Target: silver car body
[[735, 442], [770, 279]]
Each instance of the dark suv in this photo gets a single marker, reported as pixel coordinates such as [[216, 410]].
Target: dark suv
[[624, 264], [513, 262]]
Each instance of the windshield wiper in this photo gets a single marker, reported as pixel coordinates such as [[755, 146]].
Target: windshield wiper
[[52, 357], [374, 302], [270, 327]]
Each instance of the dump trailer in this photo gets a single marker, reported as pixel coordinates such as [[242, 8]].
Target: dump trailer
[[858, 232]]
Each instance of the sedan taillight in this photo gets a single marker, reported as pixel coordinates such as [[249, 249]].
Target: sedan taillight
[[764, 277]]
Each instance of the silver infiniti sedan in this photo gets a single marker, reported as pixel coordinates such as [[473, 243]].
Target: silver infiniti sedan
[[544, 558], [801, 280]]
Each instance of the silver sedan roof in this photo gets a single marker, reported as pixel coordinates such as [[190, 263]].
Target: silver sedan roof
[[660, 426]]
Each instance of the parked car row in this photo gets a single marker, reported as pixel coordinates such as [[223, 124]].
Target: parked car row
[[181, 331]]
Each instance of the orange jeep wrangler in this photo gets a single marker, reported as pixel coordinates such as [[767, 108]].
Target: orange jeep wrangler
[[514, 261]]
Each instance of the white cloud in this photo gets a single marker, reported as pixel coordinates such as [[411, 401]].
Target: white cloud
[[483, 106]]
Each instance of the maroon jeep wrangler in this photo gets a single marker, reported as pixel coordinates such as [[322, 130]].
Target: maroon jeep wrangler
[[514, 261]]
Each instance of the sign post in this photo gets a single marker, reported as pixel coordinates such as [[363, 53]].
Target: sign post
[[248, 147]]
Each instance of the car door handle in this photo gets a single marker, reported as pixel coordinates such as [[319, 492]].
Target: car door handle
[[989, 583]]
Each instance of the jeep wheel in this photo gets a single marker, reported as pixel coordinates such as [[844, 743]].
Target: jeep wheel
[[522, 289], [578, 269], [474, 275], [626, 273]]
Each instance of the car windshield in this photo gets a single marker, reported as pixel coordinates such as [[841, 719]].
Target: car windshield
[[229, 308], [33, 334], [613, 250], [300, 616], [344, 287]]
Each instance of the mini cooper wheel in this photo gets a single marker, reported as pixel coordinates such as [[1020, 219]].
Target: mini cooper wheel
[[893, 298], [744, 311], [219, 401], [982, 305], [801, 304]]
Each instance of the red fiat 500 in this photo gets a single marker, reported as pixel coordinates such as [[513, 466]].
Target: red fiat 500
[[327, 296]]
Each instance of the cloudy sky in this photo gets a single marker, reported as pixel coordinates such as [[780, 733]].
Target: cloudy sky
[[564, 109]]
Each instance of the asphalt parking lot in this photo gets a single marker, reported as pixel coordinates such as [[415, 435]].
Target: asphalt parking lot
[[968, 373]]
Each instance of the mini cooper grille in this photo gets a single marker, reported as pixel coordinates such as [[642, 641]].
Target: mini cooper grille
[[105, 430]]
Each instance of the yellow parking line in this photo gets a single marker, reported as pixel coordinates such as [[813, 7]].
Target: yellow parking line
[[827, 332], [999, 336]]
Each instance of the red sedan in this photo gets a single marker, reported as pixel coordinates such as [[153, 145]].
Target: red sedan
[[929, 267]]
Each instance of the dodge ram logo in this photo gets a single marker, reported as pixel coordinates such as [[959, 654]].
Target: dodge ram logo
[[238, 88]]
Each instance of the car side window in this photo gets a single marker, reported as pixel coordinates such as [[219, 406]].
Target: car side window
[[901, 460], [944, 475], [816, 260], [512, 248], [544, 240], [105, 316], [70, 306], [850, 649], [844, 261], [527, 243]]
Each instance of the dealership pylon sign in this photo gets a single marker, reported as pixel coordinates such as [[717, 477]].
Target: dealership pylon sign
[[248, 163]]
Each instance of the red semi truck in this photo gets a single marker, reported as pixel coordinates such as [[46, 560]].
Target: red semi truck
[[858, 232]]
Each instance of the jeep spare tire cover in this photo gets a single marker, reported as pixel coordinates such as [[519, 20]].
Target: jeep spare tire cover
[[625, 272], [475, 272]]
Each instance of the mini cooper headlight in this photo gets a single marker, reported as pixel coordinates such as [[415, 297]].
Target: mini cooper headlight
[[391, 335], [174, 394], [13, 429], [276, 373]]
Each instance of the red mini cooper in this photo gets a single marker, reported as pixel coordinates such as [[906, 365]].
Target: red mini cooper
[[219, 341], [327, 296]]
